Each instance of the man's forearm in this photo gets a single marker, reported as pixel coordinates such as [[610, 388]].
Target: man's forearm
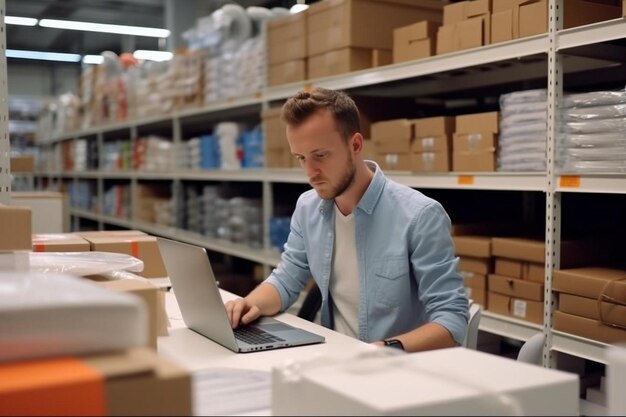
[[427, 337], [266, 298]]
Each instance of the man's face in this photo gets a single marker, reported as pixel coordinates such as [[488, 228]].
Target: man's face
[[325, 156]]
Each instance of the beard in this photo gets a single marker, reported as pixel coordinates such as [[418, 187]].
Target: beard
[[346, 180]]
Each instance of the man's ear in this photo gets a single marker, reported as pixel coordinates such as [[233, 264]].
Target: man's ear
[[356, 143]]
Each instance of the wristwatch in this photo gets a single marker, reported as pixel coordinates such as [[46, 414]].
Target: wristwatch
[[395, 343]]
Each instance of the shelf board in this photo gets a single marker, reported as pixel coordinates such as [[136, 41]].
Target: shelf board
[[127, 124], [591, 34], [592, 183], [579, 346], [507, 326], [511, 50], [266, 257], [512, 181]]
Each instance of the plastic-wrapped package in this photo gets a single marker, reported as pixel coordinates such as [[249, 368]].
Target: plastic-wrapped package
[[44, 315], [530, 107], [515, 119], [595, 98], [597, 154], [595, 126], [596, 112], [523, 97], [593, 166], [83, 263], [592, 141], [524, 129]]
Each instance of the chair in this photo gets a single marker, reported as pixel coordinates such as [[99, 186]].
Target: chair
[[471, 337], [532, 350]]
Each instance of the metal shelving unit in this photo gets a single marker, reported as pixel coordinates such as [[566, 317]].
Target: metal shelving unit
[[5, 144], [539, 57]]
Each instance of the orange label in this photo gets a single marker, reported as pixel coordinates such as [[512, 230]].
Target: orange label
[[465, 180], [62, 387], [134, 248], [39, 247], [569, 181], [308, 87]]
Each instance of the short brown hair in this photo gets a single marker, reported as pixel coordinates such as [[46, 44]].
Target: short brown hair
[[343, 109]]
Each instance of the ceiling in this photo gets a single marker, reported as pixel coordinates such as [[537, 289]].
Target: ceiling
[[149, 13]]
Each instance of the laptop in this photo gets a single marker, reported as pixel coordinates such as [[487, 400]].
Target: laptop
[[203, 310]]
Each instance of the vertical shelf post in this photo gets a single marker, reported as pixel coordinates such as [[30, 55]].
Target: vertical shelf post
[[5, 144], [553, 199]]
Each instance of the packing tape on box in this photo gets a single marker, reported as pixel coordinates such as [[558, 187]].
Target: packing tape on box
[[604, 297], [84, 263]]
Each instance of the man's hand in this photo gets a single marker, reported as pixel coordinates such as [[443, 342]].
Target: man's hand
[[241, 311]]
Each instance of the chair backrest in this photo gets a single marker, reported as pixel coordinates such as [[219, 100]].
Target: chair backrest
[[471, 338], [532, 350]]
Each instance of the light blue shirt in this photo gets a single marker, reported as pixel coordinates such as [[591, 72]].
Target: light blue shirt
[[407, 268]]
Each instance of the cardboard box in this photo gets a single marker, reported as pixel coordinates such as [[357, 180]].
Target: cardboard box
[[503, 5], [274, 130], [446, 36], [414, 41], [145, 248], [287, 72], [478, 295], [473, 33], [474, 246], [475, 8], [393, 136], [591, 282], [152, 298], [474, 142], [16, 226], [286, 38], [381, 57], [430, 162], [529, 271], [49, 210], [279, 158], [341, 386], [454, 13], [441, 144], [473, 280], [478, 122], [135, 382], [481, 266], [502, 26], [515, 287], [573, 252], [591, 329], [110, 233], [23, 163], [339, 61], [474, 161], [59, 242], [434, 126], [393, 161], [527, 310], [590, 308], [368, 150], [531, 16], [336, 24]]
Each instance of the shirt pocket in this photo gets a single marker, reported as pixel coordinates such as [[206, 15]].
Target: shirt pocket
[[390, 279]]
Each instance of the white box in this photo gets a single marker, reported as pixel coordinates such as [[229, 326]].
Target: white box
[[50, 210], [455, 381], [616, 379], [53, 314]]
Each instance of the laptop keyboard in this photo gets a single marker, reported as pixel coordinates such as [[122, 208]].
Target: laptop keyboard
[[255, 336]]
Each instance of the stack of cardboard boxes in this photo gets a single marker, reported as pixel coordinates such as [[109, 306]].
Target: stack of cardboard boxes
[[466, 25], [277, 152], [591, 303], [392, 143], [431, 149], [338, 36], [415, 41], [287, 49], [475, 142]]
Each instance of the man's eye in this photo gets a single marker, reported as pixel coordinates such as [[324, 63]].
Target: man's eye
[[321, 155]]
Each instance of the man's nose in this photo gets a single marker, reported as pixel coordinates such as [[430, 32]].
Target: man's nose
[[311, 168]]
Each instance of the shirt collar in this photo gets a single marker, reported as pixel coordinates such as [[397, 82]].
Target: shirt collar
[[374, 189]]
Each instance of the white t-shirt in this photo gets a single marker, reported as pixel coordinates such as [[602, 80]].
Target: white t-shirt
[[344, 281]]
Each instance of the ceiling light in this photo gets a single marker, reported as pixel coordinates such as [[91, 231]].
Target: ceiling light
[[153, 55], [297, 8], [23, 21], [45, 56], [106, 28], [93, 59]]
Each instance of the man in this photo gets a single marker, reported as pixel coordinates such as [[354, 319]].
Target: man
[[380, 252]]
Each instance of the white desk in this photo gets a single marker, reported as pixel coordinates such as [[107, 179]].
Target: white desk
[[196, 352]]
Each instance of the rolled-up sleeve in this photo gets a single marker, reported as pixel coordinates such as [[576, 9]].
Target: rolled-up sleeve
[[440, 286]]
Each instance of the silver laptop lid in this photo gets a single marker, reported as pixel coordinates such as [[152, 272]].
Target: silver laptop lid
[[196, 290]]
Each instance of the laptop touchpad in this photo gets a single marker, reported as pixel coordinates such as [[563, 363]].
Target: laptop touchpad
[[275, 327]]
